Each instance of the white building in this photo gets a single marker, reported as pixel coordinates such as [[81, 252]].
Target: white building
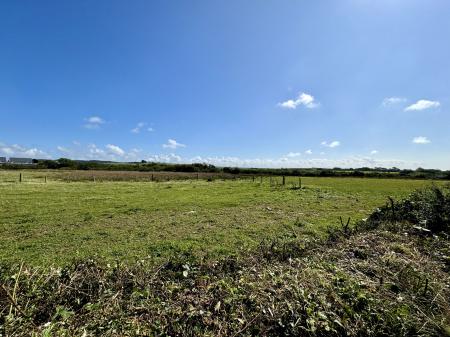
[[13, 160]]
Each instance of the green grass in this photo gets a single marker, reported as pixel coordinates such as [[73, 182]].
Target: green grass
[[54, 223]]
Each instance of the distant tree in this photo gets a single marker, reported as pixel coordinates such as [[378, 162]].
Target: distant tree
[[50, 164], [65, 162]]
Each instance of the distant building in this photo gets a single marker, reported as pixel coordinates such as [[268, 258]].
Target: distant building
[[13, 160], [2, 160]]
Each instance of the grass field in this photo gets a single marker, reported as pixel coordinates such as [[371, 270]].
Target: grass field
[[55, 222]]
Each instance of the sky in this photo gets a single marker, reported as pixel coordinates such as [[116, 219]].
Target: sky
[[274, 83]]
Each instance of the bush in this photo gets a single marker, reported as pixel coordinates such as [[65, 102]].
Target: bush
[[428, 208]]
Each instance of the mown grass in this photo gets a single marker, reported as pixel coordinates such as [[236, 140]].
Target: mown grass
[[56, 222]]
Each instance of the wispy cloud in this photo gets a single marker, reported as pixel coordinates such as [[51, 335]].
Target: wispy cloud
[[93, 122], [63, 149], [115, 150], [140, 126], [95, 152], [334, 143], [423, 104], [304, 99], [421, 140], [173, 144], [373, 152], [388, 101], [308, 152], [293, 154]]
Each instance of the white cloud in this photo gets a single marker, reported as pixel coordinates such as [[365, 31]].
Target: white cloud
[[16, 150], [150, 129], [93, 122], [308, 152], [421, 140], [6, 150], [303, 99], [109, 152], [287, 162], [166, 158], [334, 143], [63, 149], [116, 153], [173, 144], [115, 150], [95, 152], [135, 150], [138, 127], [423, 104], [89, 152], [393, 100], [354, 161], [293, 154], [373, 152], [34, 152]]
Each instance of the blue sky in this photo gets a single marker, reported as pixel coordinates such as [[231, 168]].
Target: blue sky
[[345, 83]]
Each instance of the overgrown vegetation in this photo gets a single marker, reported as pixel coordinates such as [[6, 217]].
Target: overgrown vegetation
[[385, 276], [427, 209]]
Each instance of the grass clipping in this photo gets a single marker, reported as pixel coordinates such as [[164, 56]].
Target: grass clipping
[[385, 276]]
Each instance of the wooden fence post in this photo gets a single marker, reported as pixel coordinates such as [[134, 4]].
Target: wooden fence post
[[299, 182], [20, 177], [45, 179], [260, 180], [284, 180]]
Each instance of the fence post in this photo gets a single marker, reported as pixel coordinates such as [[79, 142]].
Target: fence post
[[260, 180], [20, 177], [152, 177], [284, 180], [299, 182], [45, 179]]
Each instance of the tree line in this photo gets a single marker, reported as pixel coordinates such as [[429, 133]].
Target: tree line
[[144, 166]]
